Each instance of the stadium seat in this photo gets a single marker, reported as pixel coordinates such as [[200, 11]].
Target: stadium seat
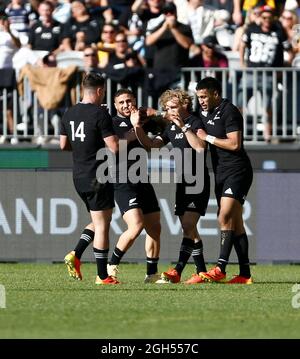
[[67, 58], [255, 107], [233, 59]]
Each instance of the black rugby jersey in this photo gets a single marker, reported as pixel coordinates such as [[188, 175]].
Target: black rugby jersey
[[86, 125], [265, 49], [45, 38], [122, 125], [224, 119], [178, 139]]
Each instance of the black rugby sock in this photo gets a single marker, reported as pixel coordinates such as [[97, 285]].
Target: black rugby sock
[[86, 238], [116, 256], [241, 246], [186, 249], [101, 260], [225, 250], [152, 265], [198, 257]]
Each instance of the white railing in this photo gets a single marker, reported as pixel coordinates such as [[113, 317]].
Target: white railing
[[262, 94], [272, 97]]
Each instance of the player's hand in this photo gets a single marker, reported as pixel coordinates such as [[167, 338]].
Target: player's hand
[[201, 134], [144, 117], [150, 111], [178, 121], [135, 117]]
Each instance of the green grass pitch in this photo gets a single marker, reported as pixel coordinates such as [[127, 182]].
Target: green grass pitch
[[43, 302]]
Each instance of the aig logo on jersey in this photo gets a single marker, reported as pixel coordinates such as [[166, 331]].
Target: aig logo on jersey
[[178, 136]]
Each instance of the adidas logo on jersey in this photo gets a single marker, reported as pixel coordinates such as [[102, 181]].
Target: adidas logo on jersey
[[173, 128], [228, 191], [123, 124], [132, 201], [191, 205]]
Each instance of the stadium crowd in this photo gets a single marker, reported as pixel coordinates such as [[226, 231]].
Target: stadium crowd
[[138, 43]]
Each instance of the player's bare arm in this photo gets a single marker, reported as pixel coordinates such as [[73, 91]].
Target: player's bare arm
[[232, 142], [112, 143], [64, 143]]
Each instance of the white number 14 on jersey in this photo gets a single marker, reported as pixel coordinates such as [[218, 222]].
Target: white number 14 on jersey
[[79, 131]]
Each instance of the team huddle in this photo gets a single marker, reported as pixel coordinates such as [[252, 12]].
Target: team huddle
[[87, 128]]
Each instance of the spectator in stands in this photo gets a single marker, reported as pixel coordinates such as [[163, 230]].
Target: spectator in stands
[[288, 20], [172, 41], [19, 18], [233, 8], [107, 44], [125, 66], [100, 8], [9, 44], [200, 19], [121, 10], [265, 44], [277, 6], [150, 13], [134, 32], [90, 59], [209, 56], [61, 10], [81, 29], [253, 16], [45, 33]]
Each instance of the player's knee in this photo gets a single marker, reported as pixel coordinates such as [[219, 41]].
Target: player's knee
[[135, 229], [156, 230], [188, 229], [224, 219]]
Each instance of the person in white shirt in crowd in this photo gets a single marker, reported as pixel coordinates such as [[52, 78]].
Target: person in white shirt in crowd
[[19, 15], [9, 44]]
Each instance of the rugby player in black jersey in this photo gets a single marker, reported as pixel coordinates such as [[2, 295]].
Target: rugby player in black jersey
[[222, 128], [188, 206], [85, 129], [137, 201]]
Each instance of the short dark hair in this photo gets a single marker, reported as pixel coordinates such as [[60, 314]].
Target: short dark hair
[[93, 80], [123, 92], [209, 83]]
